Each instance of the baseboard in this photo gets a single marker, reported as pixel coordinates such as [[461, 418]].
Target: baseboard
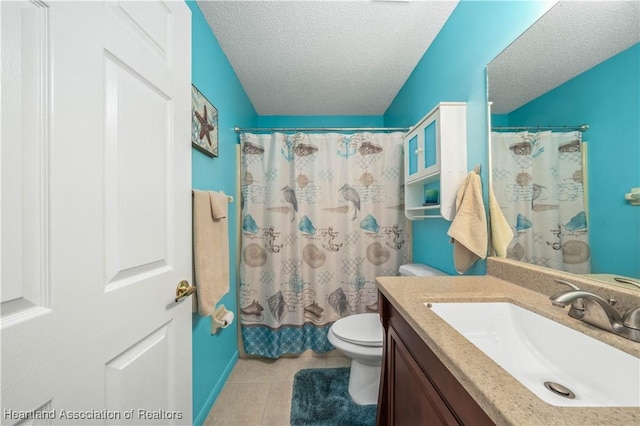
[[215, 392]]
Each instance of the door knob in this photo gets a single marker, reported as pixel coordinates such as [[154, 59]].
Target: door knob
[[183, 290]]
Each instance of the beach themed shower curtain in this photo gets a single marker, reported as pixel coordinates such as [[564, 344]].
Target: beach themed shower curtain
[[538, 181], [322, 216]]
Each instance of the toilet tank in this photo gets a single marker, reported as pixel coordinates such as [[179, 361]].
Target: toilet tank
[[419, 270]]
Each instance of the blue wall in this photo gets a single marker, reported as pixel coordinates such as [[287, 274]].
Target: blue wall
[[607, 97], [453, 69], [215, 355]]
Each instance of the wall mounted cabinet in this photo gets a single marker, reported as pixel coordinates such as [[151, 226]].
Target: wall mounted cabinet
[[435, 159]]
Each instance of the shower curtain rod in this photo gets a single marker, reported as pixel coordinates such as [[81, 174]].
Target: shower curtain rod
[[580, 128], [322, 129]]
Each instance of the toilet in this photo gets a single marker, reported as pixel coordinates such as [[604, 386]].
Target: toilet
[[359, 338]]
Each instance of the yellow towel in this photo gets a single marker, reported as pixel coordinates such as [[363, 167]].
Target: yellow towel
[[210, 249], [501, 232], [468, 231]]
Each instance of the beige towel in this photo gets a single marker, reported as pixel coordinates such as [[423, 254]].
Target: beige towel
[[501, 232], [468, 231], [210, 249], [219, 205]]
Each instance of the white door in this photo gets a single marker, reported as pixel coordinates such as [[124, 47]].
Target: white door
[[96, 212]]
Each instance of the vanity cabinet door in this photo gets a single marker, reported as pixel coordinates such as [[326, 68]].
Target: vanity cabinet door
[[413, 399], [416, 388]]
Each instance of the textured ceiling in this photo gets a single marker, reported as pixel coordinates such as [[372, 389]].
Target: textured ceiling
[[324, 57], [568, 40]]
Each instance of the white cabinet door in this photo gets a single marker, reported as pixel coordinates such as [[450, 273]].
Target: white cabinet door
[[96, 212]]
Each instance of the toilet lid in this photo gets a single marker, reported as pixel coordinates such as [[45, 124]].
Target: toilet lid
[[360, 329]]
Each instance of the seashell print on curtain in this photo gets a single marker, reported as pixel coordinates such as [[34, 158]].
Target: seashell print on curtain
[[537, 179], [322, 217]]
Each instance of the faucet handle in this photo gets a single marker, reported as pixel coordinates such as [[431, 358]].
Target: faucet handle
[[577, 307], [631, 318]]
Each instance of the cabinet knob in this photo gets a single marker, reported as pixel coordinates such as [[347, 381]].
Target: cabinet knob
[[418, 151]]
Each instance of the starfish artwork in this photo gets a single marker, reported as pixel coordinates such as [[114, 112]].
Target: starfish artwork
[[205, 126]]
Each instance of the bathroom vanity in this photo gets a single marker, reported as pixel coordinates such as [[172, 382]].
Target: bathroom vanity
[[418, 388], [431, 374]]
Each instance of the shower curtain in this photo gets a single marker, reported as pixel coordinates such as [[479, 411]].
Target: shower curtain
[[537, 179], [322, 216]]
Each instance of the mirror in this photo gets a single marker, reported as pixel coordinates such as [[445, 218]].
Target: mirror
[[578, 64]]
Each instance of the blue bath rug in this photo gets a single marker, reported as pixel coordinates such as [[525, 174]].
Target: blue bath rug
[[321, 397]]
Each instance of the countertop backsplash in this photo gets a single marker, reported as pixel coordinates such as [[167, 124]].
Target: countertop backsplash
[[540, 279]]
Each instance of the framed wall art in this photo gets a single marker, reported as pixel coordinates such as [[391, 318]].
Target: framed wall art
[[204, 123]]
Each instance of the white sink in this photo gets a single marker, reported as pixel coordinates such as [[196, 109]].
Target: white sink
[[535, 350]]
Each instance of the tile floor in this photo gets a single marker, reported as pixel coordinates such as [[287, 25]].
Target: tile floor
[[258, 391]]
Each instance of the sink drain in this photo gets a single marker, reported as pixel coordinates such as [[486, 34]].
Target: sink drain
[[558, 389]]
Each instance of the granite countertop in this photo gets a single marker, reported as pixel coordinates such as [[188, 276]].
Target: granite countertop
[[502, 397]]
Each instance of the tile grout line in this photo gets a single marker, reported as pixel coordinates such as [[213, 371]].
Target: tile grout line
[[264, 412]]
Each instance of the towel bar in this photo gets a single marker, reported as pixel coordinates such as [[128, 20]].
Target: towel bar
[[229, 197]]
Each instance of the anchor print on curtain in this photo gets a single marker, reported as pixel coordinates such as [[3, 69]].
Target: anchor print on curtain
[[322, 216], [538, 182]]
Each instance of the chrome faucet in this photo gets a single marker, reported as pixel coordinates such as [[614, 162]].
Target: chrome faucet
[[600, 313]]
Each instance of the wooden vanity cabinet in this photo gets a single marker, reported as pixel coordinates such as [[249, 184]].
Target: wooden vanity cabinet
[[415, 387]]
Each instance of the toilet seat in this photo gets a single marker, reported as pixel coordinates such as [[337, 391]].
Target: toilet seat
[[359, 329]]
